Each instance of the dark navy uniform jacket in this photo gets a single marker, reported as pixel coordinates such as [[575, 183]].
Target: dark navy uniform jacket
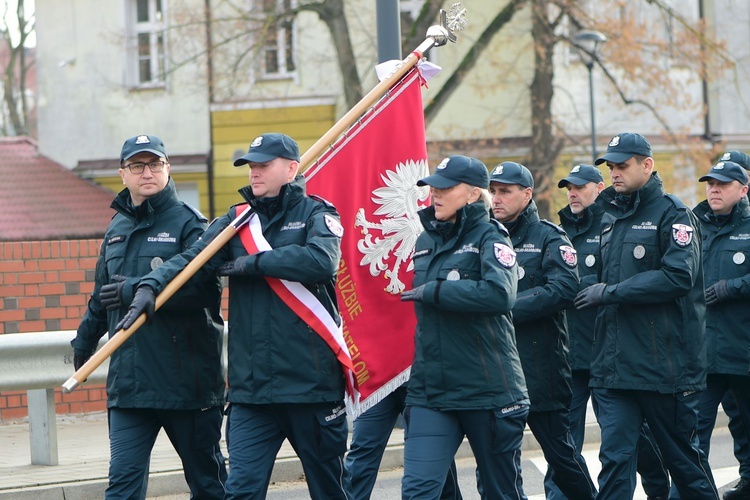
[[174, 361], [651, 335], [547, 285], [465, 356], [726, 255], [274, 356], [584, 235]]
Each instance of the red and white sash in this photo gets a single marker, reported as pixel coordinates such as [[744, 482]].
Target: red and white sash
[[300, 300]]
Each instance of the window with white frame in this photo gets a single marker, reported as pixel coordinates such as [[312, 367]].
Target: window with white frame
[[278, 40], [148, 46]]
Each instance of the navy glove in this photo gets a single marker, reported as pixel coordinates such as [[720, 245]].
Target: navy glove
[[80, 358], [591, 296], [718, 292], [414, 295], [110, 295], [144, 301], [241, 266]]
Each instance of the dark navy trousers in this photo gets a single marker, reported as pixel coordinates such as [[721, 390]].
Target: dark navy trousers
[[650, 465], [739, 434], [369, 439], [567, 468], [673, 420], [432, 438], [735, 389], [317, 432], [195, 435]]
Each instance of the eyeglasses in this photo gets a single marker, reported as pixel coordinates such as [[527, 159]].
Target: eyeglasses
[[139, 167]]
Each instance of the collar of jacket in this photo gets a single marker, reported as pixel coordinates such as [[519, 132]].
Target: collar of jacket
[[529, 216], [466, 217], [166, 197], [582, 224], [740, 211], [653, 189], [290, 193]]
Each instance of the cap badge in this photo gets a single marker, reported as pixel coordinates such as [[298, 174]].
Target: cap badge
[[498, 170], [576, 169], [257, 142], [615, 141], [726, 157], [442, 164], [142, 139], [719, 166]]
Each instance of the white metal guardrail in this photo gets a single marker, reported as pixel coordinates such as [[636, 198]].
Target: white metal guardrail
[[38, 363]]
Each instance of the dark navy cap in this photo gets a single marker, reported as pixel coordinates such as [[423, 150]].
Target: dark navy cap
[[141, 144], [455, 170], [726, 171], [510, 172], [582, 174], [268, 147], [737, 157], [624, 146]]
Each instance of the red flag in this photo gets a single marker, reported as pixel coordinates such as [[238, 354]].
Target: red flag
[[370, 175]]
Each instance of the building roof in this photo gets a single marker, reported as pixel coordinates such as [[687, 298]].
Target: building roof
[[42, 200]]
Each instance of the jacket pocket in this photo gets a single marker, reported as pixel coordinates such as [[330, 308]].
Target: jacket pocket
[[331, 431], [207, 427]]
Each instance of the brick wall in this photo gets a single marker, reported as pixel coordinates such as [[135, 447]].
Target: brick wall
[[45, 286]]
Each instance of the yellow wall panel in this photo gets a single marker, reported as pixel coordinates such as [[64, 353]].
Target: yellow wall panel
[[272, 116]]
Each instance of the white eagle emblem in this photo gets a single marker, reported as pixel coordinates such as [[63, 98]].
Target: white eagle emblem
[[400, 200]]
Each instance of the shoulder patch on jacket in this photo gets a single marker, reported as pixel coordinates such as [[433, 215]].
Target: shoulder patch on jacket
[[678, 203], [500, 227], [552, 224], [504, 254], [322, 200], [197, 212]]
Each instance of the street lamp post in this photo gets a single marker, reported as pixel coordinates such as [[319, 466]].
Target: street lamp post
[[587, 43]]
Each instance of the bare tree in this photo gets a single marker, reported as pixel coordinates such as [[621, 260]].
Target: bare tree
[[17, 26]]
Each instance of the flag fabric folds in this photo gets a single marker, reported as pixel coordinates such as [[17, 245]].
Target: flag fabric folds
[[370, 175]]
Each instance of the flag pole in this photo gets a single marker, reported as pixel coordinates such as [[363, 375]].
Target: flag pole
[[192, 267], [437, 36]]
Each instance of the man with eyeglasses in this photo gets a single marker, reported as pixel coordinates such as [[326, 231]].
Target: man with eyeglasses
[[168, 374]]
